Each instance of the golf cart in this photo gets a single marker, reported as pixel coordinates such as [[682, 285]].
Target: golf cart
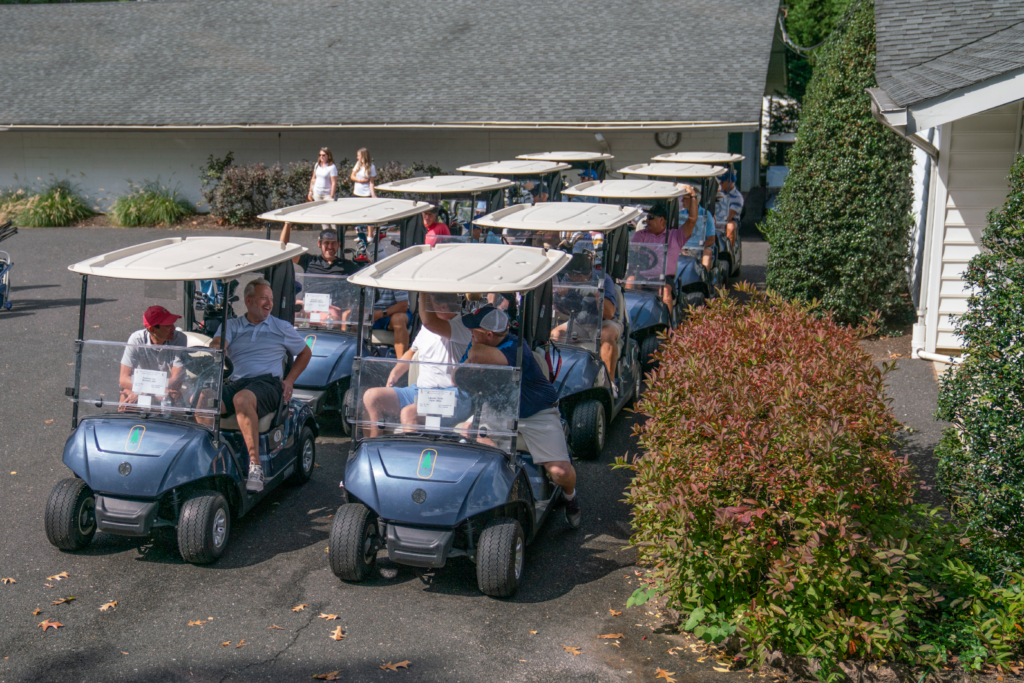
[[594, 162], [149, 447], [326, 305], [526, 175], [573, 355], [733, 255], [460, 199], [706, 177], [647, 263], [449, 479]]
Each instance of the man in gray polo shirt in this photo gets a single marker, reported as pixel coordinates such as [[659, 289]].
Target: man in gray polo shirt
[[255, 345]]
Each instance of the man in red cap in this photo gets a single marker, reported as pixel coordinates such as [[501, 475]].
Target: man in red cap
[[144, 352]]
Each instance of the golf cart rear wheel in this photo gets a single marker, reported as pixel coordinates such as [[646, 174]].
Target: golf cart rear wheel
[[499, 558], [348, 408], [71, 515], [587, 429], [203, 527], [306, 456], [354, 542], [696, 299], [647, 348]]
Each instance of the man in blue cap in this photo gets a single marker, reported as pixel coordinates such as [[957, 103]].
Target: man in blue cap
[[729, 207], [540, 424]]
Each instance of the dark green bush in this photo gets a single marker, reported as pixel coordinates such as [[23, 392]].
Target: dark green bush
[[59, 204], [771, 505], [981, 458], [840, 232], [150, 204]]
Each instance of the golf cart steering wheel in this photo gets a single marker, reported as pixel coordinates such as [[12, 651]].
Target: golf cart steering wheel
[[205, 378], [646, 259]]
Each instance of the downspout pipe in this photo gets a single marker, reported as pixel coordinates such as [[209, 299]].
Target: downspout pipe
[[887, 113]]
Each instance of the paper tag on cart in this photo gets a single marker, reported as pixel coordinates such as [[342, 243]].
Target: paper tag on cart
[[316, 303], [435, 402], [152, 382]]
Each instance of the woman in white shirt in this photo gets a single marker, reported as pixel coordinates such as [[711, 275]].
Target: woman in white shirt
[[324, 183], [362, 177]]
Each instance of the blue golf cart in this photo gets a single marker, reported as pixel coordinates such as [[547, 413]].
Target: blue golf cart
[[149, 447], [459, 198], [450, 477], [590, 165]]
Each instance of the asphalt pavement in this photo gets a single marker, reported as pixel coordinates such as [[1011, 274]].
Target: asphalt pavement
[[239, 618]]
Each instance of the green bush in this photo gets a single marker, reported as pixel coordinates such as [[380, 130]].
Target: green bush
[[150, 204], [840, 232], [58, 204], [981, 458], [771, 505]]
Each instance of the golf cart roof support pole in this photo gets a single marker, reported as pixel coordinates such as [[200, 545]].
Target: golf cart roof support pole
[[78, 351], [223, 355], [189, 293], [362, 312]]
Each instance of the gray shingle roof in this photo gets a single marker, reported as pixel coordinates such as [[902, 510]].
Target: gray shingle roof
[[323, 62], [928, 48]]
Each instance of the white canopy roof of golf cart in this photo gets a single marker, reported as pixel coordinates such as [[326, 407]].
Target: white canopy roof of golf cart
[[566, 157], [447, 184], [667, 169], [561, 217], [514, 167], [192, 258], [459, 268], [699, 158], [347, 211], [626, 190]]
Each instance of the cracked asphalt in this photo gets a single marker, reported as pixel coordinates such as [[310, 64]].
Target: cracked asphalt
[[276, 557]]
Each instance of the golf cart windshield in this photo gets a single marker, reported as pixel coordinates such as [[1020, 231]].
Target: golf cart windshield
[[144, 379], [465, 403], [646, 264], [578, 305], [328, 301]]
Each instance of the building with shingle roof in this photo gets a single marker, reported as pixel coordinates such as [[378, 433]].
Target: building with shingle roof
[[155, 87], [951, 80]]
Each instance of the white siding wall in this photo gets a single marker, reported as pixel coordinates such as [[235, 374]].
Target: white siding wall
[[975, 159], [102, 162]]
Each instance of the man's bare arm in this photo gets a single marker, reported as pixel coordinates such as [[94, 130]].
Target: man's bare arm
[[430, 319]]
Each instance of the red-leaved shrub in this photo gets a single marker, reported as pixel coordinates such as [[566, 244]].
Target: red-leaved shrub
[[771, 504]]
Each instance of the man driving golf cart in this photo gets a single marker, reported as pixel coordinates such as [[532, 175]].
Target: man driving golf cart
[[729, 207], [331, 260], [159, 330], [255, 344], [653, 232]]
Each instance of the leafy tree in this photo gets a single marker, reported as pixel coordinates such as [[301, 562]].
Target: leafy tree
[[981, 458], [808, 23], [840, 232]]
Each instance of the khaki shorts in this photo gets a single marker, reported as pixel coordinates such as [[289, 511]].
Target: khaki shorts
[[614, 324], [544, 437]]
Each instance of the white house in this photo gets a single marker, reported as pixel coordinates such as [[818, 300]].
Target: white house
[[107, 92], [951, 80]]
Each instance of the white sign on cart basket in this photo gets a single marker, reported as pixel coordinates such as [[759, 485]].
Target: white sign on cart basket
[[316, 303], [153, 382], [438, 402]]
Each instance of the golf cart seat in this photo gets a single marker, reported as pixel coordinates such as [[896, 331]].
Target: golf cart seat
[[270, 420], [385, 337]]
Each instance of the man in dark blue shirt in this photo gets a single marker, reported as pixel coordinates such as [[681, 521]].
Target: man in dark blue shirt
[[540, 423]]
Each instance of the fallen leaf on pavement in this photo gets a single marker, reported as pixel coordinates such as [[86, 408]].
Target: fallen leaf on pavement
[[333, 676], [328, 617], [63, 600], [57, 577], [614, 613], [336, 634], [123, 652], [533, 632], [49, 422], [667, 675], [611, 636], [225, 643], [701, 659], [673, 650], [108, 605], [299, 608], [241, 643], [7, 581], [36, 612], [49, 624], [574, 651], [196, 623], [395, 667], [275, 626], [723, 670], [48, 585]]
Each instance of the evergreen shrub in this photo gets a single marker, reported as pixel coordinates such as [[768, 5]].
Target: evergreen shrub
[[840, 232], [981, 457], [771, 505], [150, 204]]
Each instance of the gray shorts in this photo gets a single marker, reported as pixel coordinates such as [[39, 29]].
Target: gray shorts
[[545, 440]]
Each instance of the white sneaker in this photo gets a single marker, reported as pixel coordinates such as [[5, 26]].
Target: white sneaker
[[255, 482]]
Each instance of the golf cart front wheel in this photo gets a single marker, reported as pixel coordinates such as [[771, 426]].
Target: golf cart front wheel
[[647, 348], [696, 299], [305, 457], [203, 527], [587, 429], [348, 404], [499, 558], [353, 543], [71, 515]]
